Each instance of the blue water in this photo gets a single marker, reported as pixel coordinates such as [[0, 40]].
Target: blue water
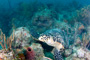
[[4, 3]]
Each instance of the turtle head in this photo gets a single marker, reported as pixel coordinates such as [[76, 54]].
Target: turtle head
[[42, 38], [59, 46], [47, 39]]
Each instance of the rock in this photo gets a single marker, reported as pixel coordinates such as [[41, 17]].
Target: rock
[[6, 56], [81, 53], [75, 58], [68, 52], [46, 58], [87, 55], [22, 38], [38, 51], [69, 57], [74, 55]]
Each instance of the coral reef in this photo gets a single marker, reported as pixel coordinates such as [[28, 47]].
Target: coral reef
[[83, 15], [21, 56], [38, 51], [77, 31], [80, 50], [48, 30], [43, 20], [68, 52], [22, 38], [82, 53], [8, 53], [6, 43]]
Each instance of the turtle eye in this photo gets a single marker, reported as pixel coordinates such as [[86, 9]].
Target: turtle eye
[[61, 49], [41, 38]]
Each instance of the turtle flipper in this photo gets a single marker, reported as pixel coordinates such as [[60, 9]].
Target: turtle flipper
[[58, 55]]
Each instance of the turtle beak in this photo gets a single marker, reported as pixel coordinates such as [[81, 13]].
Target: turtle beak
[[62, 47], [40, 39]]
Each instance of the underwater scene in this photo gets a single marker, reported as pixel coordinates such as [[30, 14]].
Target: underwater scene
[[44, 29]]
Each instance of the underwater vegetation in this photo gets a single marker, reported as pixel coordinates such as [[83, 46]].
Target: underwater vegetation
[[7, 52], [37, 31]]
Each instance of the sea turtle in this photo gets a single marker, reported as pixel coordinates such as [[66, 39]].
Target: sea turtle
[[55, 38]]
